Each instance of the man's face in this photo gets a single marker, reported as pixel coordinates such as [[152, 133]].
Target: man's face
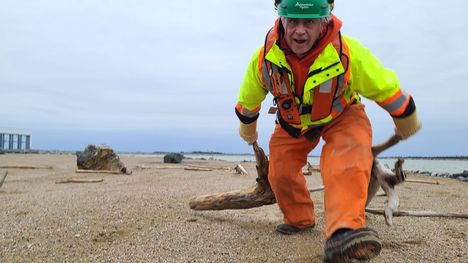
[[301, 33]]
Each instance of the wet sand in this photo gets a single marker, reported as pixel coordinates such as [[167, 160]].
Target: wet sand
[[145, 217]]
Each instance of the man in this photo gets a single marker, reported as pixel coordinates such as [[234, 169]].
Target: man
[[316, 76]]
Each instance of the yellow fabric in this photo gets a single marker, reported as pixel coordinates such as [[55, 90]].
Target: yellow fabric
[[248, 132], [368, 77], [252, 92], [408, 126]]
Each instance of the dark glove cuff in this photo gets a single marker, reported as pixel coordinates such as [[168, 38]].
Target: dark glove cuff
[[245, 119], [408, 111]]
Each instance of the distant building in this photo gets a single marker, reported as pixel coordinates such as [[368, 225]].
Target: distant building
[[15, 140]]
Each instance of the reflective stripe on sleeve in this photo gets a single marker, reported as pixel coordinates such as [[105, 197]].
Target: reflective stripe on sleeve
[[397, 103], [247, 113]]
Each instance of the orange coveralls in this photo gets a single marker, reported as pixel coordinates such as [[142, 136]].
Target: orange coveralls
[[346, 163]]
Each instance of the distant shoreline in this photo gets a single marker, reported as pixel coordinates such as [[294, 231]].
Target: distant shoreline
[[462, 158]]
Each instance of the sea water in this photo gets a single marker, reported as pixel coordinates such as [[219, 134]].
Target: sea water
[[433, 166]]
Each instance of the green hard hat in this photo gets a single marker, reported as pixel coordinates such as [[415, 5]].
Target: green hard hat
[[303, 8]]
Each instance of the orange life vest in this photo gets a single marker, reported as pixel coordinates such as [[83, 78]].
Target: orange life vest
[[328, 97]]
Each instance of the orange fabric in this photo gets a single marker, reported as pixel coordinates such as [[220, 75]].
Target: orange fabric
[[323, 101], [346, 163], [394, 97], [240, 108], [287, 157]]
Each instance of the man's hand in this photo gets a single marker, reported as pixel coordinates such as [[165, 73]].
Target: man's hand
[[248, 132], [407, 126]]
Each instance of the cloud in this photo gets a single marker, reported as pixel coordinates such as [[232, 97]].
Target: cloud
[[127, 68]]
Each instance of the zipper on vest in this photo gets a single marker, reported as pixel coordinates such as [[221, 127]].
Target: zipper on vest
[[317, 71]]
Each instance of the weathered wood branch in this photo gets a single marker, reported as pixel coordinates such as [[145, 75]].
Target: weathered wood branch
[[239, 169], [255, 196], [98, 171], [3, 178], [317, 189], [418, 213], [421, 181], [67, 181], [25, 167], [377, 149], [208, 167], [197, 169]]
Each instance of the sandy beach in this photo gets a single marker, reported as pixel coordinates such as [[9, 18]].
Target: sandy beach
[[145, 217]]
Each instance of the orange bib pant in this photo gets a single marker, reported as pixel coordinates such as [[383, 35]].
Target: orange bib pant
[[345, 165]]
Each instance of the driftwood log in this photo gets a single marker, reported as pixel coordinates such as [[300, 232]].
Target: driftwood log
[[25, 167], [418, 213], [82, 171], [80, 181], [255, 196], [239, 169], [261, 193], [3, 178]]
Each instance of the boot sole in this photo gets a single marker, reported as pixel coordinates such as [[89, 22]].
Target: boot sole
[[359, 246]]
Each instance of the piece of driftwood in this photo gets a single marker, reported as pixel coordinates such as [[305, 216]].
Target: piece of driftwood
[[317, 189], [255, 196], [418, 213], [382, 177], [3, 178], [239, 169], [25, 167], [421, 181], [98, 171], [377, 149], [81, 181], [208, 167], [197, 169], [169, 167], [310, 169]]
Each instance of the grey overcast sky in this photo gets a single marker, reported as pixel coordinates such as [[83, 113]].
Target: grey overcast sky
[[147, 75]]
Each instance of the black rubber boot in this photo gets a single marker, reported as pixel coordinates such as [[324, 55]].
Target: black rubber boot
[[291, 230], [351, 245]]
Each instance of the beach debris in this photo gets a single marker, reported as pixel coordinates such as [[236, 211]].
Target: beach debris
[[141, 167], [421, 181], [317, 189], [173, 158], [197, 169], [209, 167], [258, 195], [25, 167], [239, 169], [67, 181], [310, 168], [418, 213], [3, 178], [97, 171], [100, 157], [261, 193], [383, 177]]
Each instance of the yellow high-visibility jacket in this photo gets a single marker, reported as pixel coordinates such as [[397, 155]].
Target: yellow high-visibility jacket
[[367, 77]]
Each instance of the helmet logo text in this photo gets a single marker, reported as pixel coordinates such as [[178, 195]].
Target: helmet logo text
[[304, 5]]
